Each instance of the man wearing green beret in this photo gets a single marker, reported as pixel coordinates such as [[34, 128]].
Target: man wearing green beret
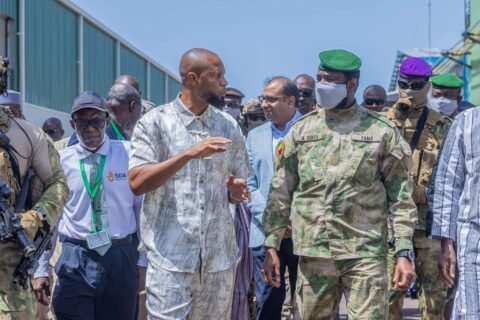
[[446, 94], [343, 173]]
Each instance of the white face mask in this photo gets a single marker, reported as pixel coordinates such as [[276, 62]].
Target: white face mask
[[234, 112], [329, 95], [443, 105]]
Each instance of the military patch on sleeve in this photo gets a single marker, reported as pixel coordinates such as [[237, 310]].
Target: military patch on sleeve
[[402, 150], [280, 148], [406, 148], [397, 153]]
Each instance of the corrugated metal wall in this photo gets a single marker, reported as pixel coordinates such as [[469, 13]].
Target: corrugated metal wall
[[132, 64], [9, 8], [157, 86], [98, 60], [174, 88], [50, 54]]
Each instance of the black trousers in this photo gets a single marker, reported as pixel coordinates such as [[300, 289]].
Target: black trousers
[[269, 299], [94, 287]]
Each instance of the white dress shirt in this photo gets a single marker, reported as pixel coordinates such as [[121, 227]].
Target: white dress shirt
[[122, 205]]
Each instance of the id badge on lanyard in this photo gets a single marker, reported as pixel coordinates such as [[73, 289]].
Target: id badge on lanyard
[[97, 237]]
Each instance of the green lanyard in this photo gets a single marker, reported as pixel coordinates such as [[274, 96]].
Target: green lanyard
[[96, 186], [117, 132]]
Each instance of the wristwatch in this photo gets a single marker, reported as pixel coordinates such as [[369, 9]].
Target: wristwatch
[[409, 254]]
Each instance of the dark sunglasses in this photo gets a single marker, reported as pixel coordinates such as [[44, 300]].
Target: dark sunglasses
[[417, 85], [52, 131], [371, 102], [305, 93], [232, 104], [98, 123], [256, 117]]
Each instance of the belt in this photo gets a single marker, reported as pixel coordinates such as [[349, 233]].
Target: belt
[[83, 243]]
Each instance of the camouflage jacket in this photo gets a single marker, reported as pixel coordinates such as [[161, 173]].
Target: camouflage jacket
[[425, 155], [340, 174], [50, 193]]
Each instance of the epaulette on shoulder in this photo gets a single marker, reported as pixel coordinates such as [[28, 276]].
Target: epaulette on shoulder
[[306, 116], [381, 118]]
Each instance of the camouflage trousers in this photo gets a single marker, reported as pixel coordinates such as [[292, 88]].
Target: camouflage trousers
[[322, 282], [432, 293], [16, 303]]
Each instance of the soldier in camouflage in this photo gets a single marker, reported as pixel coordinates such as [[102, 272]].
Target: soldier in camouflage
[[343, 172], [252, 115], [36, 151], [424, 130]]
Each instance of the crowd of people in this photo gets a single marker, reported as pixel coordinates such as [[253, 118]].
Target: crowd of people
[[277, 208]]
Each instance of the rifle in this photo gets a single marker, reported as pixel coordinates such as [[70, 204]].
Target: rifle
[[28, 265], [10, 227]]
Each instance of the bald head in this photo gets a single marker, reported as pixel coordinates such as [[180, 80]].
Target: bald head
[[375, 98], [203, 77], [196, 61], [53, 127], [129, 80], [305, 79]]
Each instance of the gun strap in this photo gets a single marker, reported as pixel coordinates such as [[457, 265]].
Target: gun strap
[[22, 195], [419, 128]]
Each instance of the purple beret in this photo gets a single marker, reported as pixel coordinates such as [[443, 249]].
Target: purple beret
[[415, 67]]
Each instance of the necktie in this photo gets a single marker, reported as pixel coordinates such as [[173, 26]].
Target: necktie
[[99, 203]]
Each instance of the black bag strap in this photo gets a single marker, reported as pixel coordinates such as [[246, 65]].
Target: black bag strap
[[419, 128], [22, 195]]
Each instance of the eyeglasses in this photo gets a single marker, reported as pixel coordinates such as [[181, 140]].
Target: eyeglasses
[[305, 93], [97, 123], [416, 85], [371, 102], [270, 99]]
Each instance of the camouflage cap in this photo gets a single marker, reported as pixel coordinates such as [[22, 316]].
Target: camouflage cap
[[447, 80], [252, 105]]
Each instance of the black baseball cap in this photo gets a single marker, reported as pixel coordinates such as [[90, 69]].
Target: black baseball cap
[[89, 100]]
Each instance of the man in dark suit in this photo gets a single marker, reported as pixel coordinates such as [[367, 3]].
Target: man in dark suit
[[278, 102]]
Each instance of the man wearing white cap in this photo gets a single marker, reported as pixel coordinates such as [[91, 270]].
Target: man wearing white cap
[[12, 103]]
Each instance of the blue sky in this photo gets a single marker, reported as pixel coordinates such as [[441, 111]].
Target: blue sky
[[264, 38]]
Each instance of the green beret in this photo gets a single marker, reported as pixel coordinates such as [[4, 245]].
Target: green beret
[[339, 60], [447, 80]]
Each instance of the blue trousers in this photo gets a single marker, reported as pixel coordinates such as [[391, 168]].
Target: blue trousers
[[94, 287], [269, 299]]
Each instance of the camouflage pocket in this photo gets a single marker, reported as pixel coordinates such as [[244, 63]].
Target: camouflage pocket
[[362, 165]]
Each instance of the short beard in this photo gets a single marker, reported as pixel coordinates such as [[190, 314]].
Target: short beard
[[216, 101]]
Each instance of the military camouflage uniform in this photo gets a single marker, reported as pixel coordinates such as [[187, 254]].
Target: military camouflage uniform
[[432, 291], [15, 302], [340, 174]]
